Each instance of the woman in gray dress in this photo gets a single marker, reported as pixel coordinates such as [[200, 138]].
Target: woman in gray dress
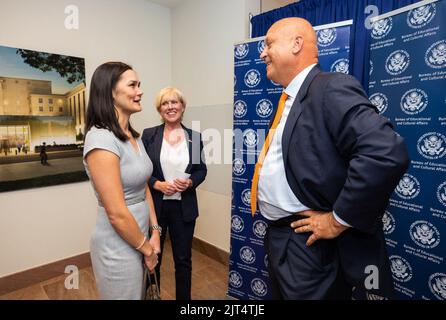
[[119, 169]]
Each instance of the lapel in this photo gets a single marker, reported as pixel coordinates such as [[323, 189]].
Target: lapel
[[157, 143], [188, 134], [295, 112]]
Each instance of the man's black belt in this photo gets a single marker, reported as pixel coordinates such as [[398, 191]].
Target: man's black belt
[[285, 221]]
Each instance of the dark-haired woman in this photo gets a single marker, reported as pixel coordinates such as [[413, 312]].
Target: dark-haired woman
[[119, 170]]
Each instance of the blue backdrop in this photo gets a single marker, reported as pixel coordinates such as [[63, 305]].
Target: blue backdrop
[[255, 98], [407, 85], [320, 12]]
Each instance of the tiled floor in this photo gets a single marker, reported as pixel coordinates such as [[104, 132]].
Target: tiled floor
[[209, 282]]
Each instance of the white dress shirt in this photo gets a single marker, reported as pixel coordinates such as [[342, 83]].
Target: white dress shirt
[[174, 160], [275, 198]]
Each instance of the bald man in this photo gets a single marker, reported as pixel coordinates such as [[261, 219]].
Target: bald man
[[326, 178]]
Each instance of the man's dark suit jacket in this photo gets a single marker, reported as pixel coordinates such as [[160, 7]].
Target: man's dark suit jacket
[[152, 139], [341, 156]]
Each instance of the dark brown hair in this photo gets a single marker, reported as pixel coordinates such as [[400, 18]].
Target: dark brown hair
[[101, 112]]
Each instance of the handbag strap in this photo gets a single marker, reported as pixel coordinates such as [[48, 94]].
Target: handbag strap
[[144, 284], [152, 287]]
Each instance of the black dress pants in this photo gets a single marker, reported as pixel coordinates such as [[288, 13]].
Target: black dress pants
[[181, 234], [300, 272]]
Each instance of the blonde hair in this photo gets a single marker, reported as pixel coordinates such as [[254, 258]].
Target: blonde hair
[[168, 91]]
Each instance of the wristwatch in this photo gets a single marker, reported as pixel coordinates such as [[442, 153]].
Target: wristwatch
[[157, 227]]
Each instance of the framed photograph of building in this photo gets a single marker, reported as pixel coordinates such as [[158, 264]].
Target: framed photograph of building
[[42, 116]]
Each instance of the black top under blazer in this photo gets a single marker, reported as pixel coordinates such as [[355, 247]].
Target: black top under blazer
[[340, 154], [153, 139]]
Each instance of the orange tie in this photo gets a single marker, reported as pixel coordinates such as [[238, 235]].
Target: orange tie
[[263, 152]]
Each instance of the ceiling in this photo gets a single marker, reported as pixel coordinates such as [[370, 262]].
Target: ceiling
[[168, 3], [265, 4]]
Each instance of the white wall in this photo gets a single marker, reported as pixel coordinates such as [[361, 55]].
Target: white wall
[[43, 225], [190, 46], [268, 5], [203, 35]]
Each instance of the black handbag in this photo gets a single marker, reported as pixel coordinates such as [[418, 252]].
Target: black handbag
[[150, 289]]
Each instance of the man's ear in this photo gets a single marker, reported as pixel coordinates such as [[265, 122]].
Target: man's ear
[[298, 42]]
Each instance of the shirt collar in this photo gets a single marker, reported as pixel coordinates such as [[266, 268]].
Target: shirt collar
[[294, 86]]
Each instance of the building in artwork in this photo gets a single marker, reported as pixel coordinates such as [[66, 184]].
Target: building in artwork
[[31, 114]]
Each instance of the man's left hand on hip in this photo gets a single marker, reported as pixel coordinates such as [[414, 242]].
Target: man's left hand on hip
[[322, 225]]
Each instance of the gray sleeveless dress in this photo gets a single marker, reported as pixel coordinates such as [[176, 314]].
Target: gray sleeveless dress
[[117, 266]]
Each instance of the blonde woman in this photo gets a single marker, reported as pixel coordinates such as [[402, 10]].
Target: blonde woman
[[178, 169]]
